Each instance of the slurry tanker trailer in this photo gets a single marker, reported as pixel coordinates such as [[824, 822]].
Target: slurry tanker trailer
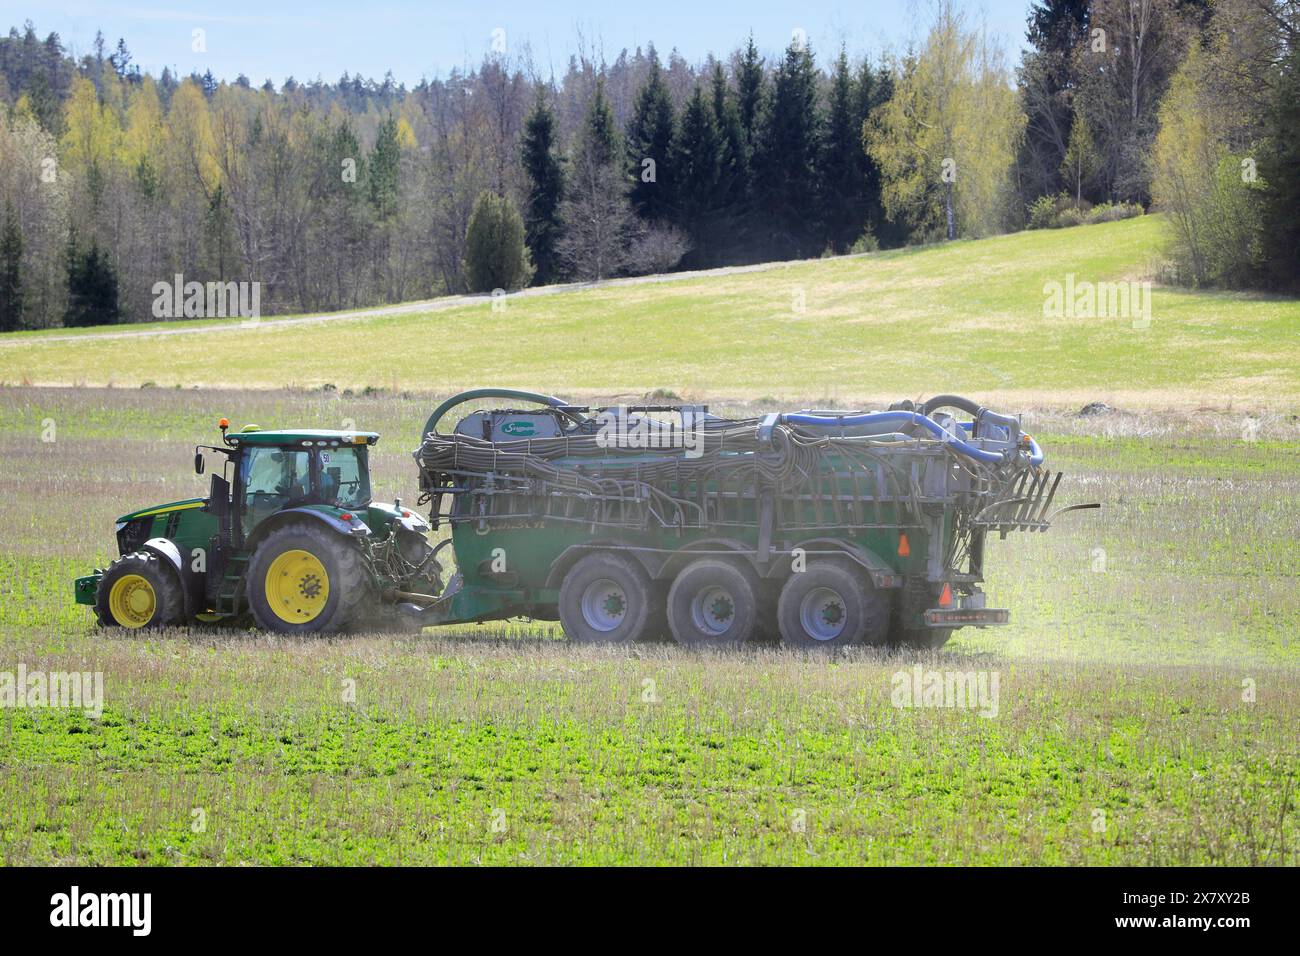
[[817, 528]]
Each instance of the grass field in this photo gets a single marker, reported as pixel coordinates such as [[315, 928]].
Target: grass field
[[1149, 683], [966, 317]]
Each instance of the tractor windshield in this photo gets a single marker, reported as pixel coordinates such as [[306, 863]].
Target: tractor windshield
[[344, 476]]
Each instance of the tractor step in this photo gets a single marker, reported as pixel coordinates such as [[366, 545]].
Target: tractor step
[[232, 583]]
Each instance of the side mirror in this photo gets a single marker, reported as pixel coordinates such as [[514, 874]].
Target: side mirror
[[198, 463]]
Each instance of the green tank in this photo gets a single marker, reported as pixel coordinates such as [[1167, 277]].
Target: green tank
[[818, 528]]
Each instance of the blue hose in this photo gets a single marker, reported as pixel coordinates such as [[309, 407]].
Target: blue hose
[[1036, 455], [902, 418]]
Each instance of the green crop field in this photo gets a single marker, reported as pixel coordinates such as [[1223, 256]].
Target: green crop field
[[1148, 685], [967, 317]]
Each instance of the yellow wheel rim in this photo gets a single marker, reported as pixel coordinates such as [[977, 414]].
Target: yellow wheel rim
[[132, 601], [297, 587]]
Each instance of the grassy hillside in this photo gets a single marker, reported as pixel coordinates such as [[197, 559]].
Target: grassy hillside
[[965, 317]]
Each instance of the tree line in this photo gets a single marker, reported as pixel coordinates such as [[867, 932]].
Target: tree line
[[338, 195], [1185, 105]]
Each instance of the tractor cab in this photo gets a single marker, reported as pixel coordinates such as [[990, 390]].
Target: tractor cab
[[275, 471]]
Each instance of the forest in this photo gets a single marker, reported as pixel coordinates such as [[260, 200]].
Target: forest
[[361, 191]]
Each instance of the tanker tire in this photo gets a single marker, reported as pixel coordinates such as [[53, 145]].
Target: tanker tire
[[831, 605], [715, 603], [607, 598], [921, 638]]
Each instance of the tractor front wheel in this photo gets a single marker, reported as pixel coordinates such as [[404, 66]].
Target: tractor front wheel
[[138, 590], [305, 579]]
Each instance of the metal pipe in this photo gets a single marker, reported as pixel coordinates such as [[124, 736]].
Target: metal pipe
[[462, 397]]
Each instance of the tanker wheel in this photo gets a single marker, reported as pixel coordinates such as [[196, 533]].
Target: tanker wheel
[[715, 603], [137, 591], [921, 638], [607, 598], [305, 579], [831, 605]]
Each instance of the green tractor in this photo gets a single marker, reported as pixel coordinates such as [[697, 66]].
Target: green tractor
[[287, 535]]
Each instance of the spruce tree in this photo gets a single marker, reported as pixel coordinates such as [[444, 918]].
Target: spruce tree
[[785, 160], [600, 133], [843, 209], [11, 274], [751, 108], [873, 89], [1048, 84], [649, 138], [1280, 170], [92, 287], [697, 156], [382, 170], [733, 171], [751, 93], [545, 174], [598, 221]]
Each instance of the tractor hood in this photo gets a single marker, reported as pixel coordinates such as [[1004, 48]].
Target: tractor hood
[[149, 512]]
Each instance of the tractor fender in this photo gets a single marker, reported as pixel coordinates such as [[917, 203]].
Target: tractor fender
[[191, 581], [406, 517], [882, 574], [279, 520]]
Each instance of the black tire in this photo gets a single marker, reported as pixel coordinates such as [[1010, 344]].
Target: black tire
[[769, 629], [160, 604], [832, 605], [921, 638], [607, 598], [345, 577], [715, 603]]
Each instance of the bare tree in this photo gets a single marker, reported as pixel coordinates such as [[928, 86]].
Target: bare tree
[[598, 221]]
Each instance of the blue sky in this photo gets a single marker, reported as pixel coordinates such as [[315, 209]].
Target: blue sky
[[429, 39]]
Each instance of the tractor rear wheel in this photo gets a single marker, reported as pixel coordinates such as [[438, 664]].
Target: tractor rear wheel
[[831, 605], [607, 598], [714, 603], [306, 579], [139, 590]]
